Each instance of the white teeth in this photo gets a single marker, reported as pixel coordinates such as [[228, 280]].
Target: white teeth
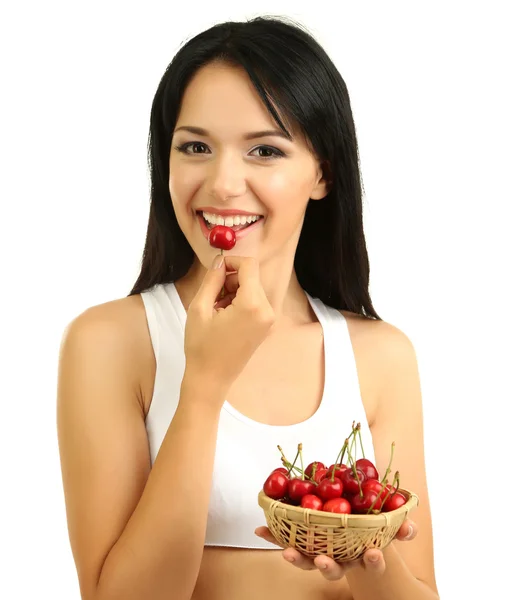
[[229, 221]]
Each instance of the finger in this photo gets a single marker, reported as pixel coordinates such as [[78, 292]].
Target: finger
[[408, 531], [232, 282], [247, 268], [265, 534], [211, 286], [331, 570], [299, 560], [374, 562], [224, 302]]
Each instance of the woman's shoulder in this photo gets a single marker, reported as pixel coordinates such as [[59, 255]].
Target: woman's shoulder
[[122, 318], [377, 346], [378, 333], [118, 329]]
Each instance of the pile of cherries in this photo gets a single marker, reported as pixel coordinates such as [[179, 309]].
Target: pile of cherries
[[340, 488]]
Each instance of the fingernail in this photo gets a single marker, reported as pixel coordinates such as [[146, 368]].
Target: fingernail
[[218, 261], [373, 558], [290, 559], [323, 565], [410, 532]]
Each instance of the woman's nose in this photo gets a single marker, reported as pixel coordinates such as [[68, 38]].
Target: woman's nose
[[227, 178]]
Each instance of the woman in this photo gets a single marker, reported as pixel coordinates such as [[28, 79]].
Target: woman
[[172, 401]]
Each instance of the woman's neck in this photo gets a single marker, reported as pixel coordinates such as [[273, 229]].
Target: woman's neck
[[280, 283]]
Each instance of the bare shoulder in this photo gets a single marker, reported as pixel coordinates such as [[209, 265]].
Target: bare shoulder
[[120, 315], [362, 327], [376, 338], [377, 346], [118, 329]]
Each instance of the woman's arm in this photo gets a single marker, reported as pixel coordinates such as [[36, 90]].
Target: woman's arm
[[407, 569], [135, 533]]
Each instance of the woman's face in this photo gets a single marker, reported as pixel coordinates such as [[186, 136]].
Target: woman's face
[[228, 163]]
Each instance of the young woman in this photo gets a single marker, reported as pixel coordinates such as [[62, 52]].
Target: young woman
[[172, 401]]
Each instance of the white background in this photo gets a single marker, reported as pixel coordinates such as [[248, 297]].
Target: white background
[[429, 85]]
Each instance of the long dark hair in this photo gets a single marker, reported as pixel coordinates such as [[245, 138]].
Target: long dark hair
[[289, 68]]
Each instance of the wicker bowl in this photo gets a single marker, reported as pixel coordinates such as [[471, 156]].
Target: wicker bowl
[[342, 537]]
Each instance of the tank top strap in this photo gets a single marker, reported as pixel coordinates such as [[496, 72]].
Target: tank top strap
[[342, 394]]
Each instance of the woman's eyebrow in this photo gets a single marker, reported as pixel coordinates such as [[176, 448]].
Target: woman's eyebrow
[[248, 136]]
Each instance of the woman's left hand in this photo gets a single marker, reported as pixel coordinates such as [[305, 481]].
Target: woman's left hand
[[371, 559]]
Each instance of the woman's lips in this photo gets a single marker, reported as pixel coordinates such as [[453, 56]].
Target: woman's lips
[[239, 234]]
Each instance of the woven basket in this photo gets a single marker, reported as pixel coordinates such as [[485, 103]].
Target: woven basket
[[342, 537]]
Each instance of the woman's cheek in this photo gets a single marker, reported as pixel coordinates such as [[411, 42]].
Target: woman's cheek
[[182, 191]]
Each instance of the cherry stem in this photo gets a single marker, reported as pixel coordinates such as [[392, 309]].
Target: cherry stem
[[285, 461], [375, 501], [355, 473], [342, 451], [384, 479], [382, 490], [352, 461], [314, 468], [296, 458], [396, 478], [301, 460], [360, 439], [337, 459], [222, 293], [355, 431], [340, 457], [289, 466]]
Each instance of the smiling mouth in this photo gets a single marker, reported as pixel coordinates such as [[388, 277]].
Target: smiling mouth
[[233, 227]]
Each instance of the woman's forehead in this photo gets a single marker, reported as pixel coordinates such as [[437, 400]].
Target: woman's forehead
[[222, 97]]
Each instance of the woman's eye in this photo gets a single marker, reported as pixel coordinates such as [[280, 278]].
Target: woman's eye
[[264, 152], [194, 145], [268, 152]]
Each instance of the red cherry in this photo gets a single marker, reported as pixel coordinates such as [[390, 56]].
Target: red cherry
[[308, 470], [337, 505], [394, 502], [299, 488], [280, 470], [328, 489], [276, 485], [367, 467], [348, 497], [360, 505], [389, 490], [222, 237], [350, 482], [339, 469], [311, 501], [320, 475], [375, 485]]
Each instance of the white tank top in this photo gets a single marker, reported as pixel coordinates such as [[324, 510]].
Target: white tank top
[[246, 450]]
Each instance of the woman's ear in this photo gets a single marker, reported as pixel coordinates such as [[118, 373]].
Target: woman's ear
[[323, 183]]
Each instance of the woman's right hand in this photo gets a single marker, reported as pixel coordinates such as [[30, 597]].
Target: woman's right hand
[[221, 335]]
